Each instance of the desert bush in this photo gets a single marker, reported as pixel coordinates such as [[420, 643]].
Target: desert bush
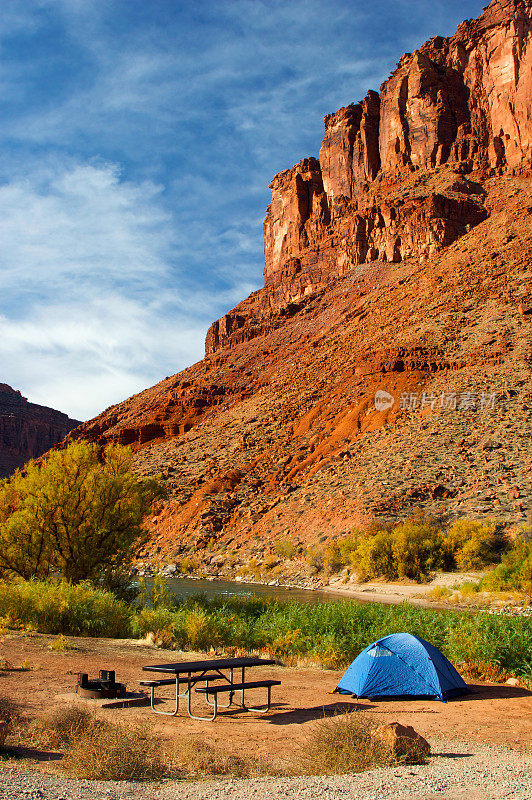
[[60, 645], [315, 559], [195, 758], [440, 593], [60, 728], [469, 589], [514, 573], [374, 556], [285, 549], [201, 630], [188, 627], [483, 671], [270, 563], [471, 544], [188, 565], [62, 608], [78, 513], [11, 713], [336, 556], [147, 620], [411, 549], [416, 549], [346, 744], [107, 751]]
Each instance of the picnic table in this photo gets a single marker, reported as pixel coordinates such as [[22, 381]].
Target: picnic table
[[188, 674]]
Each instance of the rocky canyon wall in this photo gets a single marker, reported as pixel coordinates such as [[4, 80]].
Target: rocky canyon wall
[[398, 266], [27, 430], [375, 194]]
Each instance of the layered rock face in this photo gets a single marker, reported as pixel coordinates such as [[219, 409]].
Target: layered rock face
[[27, 430], [387, 362], [462, 101]]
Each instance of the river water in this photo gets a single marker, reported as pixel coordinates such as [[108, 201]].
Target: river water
[[184, 588]]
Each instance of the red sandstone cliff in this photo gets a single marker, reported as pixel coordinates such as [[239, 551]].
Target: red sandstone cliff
[[462, 101], [399, 261], [27, 430]]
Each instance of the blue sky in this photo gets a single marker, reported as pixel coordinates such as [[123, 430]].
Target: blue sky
[[138, 141]]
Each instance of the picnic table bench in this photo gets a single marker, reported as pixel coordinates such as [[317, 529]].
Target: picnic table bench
[[189, 673], [240, 687]]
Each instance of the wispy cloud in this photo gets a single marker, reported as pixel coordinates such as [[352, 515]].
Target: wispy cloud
[[91, 298]]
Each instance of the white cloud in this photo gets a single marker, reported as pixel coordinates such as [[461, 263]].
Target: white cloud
[[92, 306], [69, 222]]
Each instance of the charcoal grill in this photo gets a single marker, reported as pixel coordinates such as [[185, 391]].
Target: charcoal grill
[[102, 687]]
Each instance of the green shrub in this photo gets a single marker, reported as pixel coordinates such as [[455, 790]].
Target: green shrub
[[471, 544], [411, 549], [339, 554], [79, 513], [62, 608], [373, 557], [416, 549], [514, 573]]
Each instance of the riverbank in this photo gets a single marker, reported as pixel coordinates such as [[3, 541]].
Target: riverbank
[[440, 593]]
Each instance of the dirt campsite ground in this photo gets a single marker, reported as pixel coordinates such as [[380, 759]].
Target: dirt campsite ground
[[43, 679]]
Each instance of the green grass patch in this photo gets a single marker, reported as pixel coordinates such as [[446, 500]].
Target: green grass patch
[[60, 607], [329, 634], [332, 634]]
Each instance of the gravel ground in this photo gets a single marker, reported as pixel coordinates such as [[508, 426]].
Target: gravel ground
[[459, 771]]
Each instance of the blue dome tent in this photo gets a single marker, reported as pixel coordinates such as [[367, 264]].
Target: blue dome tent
[[402, 665]]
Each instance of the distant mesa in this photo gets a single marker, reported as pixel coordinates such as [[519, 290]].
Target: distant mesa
[[27, 430]]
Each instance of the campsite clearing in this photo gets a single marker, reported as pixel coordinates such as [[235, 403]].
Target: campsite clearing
[[494, 713]]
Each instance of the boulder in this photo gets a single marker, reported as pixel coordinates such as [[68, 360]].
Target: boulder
[[403, 740]]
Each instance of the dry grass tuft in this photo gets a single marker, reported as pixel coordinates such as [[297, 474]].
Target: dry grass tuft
[[61, 727], [490, 672], [10, 711], [195, 758], [346, 744], [483, 671], [115, 752]]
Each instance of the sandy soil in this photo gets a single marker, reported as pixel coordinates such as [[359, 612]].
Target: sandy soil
[[393, 593], [494, 713]]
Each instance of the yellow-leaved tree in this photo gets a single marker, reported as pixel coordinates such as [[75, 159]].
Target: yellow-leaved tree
[[78, 514]]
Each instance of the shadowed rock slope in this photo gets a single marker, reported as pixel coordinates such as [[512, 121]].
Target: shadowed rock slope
[[399, 263], [27, 430]]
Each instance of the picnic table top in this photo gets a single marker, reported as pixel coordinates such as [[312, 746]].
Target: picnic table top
[[215, 663]]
